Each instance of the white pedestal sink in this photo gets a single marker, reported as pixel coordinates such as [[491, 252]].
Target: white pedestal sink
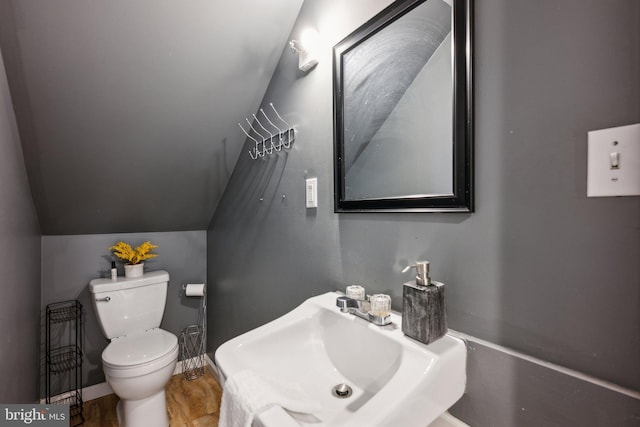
[[395, 380]]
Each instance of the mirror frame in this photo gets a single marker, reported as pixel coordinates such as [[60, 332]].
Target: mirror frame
[[462, 199]]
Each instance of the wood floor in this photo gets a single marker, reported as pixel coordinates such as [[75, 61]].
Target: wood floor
[[189, 403]]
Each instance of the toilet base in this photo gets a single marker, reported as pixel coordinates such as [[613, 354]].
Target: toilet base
[[151, 411]]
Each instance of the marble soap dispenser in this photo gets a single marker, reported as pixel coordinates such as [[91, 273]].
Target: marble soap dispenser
[[424, 316]]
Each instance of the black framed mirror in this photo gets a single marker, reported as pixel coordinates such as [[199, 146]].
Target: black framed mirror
[[403, 136]]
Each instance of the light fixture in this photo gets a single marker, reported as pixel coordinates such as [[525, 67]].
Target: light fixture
[[306, 49]]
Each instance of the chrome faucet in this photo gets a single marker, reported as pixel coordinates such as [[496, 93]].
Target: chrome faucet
[[362, 309]]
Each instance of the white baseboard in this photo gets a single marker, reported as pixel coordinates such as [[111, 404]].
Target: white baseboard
[[447, 420], [95, 391], [213, 367], [103, 389]]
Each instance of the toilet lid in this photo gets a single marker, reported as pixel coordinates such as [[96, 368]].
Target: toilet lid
[[139, 348]]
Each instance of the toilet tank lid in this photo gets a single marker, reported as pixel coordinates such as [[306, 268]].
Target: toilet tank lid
[[108, 284]]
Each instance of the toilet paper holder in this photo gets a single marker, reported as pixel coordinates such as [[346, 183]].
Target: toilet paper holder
[[194, 290]]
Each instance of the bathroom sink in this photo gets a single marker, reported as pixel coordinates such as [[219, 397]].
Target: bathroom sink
[[395, 380]]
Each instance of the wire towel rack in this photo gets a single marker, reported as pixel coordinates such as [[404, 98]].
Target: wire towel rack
[[279, 137]]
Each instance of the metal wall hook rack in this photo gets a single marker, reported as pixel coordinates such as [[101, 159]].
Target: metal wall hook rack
[[279, 137]]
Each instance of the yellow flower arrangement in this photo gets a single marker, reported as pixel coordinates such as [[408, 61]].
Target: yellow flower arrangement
[[133, 256]]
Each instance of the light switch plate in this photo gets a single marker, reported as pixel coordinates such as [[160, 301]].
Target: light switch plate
[[312, 192], [613, 162]]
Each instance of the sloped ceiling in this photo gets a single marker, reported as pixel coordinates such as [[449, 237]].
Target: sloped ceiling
[[128, 110]]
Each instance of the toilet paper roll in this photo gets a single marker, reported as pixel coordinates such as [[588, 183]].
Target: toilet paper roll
[[196, 290]]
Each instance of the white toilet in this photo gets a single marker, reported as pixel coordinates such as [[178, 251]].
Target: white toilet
[[141, 357]]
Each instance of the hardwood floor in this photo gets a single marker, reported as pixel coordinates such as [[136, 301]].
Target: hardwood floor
[[189, 403]]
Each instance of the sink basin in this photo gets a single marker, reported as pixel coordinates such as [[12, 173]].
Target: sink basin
[[395, 380]]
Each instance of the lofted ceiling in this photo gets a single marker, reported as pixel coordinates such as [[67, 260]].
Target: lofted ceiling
[[128, 111]]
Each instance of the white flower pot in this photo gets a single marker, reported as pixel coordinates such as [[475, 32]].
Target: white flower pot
[[133, 270]]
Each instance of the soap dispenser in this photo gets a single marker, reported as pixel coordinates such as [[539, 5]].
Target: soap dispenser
[[424, 317]]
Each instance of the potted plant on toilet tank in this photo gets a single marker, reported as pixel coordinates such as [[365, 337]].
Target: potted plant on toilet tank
[[134, 257]]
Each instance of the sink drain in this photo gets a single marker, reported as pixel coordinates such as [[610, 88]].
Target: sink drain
[[341, 391]]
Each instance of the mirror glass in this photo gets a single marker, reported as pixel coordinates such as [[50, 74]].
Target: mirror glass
[[402, 117]]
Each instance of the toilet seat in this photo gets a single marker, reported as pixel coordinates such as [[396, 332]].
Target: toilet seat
[[140, 353]]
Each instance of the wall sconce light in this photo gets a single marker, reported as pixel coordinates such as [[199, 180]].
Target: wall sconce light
[[306, 49]]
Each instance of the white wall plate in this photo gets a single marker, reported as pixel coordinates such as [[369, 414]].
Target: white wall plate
[[613, 162]]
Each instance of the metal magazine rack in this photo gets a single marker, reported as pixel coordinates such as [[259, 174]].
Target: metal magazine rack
[[64, 342], [193, 344]]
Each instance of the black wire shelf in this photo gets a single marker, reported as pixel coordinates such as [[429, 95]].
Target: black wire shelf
[[74, 400], [64, 311], [64, 358], [63, 355]]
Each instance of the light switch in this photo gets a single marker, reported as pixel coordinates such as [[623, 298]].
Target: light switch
[[613, 162], [312, 192]]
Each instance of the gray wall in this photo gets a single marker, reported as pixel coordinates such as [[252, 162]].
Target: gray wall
[[507, 388], [70, 262], [19, 264], [538, 267], [136, 101]]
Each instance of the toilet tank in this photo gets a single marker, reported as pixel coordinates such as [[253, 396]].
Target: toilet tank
[[128, 305]]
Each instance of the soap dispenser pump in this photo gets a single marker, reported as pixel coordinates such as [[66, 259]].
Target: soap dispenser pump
[[424, 316]]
